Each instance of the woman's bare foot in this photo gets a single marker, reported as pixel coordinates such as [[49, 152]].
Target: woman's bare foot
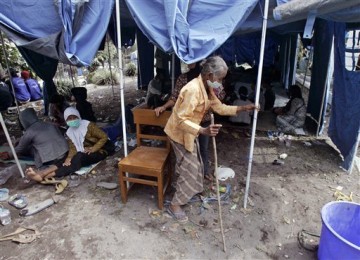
[[33, 175]]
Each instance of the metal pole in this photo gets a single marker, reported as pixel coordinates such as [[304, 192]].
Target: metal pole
[[258, 84], [11, 145], [327, 87], [355, 152], [306, 68], [111, 75], [8, 69], [118, 30]]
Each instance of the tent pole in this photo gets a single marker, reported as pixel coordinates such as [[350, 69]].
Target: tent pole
[[118, 30], [355, 153], [8, 70], [111, 75], [11, 145], [327, 87], [258, 85]]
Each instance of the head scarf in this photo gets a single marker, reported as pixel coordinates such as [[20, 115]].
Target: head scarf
[[76, 135], [25, 74], [79, 93], [28, 117]]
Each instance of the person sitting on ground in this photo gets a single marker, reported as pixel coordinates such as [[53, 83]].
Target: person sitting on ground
[[6, 99], [57, 107], [292, 115], [32, 85], [82, 105], [42, 141], [154, 95], [183, 79], [88, 144], [243, 118], [183, 129], [22, 94]]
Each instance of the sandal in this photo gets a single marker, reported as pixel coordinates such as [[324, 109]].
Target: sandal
[[179, 216], [50, 180], [60, 186], [18, 201]]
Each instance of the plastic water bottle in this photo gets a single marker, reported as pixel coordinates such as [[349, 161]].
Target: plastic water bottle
[[5, 216]]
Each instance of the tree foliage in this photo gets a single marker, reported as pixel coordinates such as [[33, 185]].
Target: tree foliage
[[15, 59]]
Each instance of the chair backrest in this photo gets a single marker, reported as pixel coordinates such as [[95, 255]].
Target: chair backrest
[[148, 117]]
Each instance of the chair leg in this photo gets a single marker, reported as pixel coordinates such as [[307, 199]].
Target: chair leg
[[123, 188], [160, 181]]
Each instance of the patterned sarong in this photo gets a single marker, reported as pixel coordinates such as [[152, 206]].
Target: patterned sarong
[[189, 168]]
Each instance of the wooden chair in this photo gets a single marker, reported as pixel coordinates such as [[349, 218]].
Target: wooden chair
[[147, 161]]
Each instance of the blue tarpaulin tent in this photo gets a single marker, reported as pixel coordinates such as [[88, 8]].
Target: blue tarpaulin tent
[[71, 31]]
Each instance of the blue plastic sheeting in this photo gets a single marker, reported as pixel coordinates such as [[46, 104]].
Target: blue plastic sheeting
[[345, 117], [33, 19], [322, 40], [82, 25], [246, 48], [193, 32]]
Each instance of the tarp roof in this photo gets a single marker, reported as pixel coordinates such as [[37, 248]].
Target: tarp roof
[[72, 31]]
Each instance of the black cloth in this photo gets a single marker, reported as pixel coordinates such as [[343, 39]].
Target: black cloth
[[6, 99], [82, 105], [85, 109], [78, 161], [45, 68], [269, 99]]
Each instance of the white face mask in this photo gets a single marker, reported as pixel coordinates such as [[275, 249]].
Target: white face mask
[[214, 84]]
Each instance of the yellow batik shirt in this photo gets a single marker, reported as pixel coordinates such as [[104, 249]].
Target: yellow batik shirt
[[193, 102]]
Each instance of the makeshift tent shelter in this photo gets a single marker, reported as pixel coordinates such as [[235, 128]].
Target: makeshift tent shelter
[[192, 33]]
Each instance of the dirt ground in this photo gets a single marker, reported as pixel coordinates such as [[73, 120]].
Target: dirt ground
[[91, 223]]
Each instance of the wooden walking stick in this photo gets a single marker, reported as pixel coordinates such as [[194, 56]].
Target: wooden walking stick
[[217, 186]]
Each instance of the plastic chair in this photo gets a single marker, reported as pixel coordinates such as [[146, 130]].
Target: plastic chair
[[147, 161]]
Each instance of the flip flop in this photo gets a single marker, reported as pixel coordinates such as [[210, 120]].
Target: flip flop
[[178, 216], [51, 180], [107, 185], [18, 201], [60, 186], [278, 162]]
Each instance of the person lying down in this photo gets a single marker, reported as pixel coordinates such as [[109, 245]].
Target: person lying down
[[88, 144]]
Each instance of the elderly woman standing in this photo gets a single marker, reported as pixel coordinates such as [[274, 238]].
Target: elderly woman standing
[[87, 145], [183, 129]]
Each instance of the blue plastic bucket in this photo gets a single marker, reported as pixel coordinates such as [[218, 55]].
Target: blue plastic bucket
[[340, 233]]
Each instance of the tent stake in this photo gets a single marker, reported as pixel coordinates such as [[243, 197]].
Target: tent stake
[[217, 187]]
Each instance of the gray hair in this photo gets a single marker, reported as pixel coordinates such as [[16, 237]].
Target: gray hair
[[214, 65]]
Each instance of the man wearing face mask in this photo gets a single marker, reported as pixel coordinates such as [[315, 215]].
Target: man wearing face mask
[[88, 144], [183, 129], [42, 141]]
